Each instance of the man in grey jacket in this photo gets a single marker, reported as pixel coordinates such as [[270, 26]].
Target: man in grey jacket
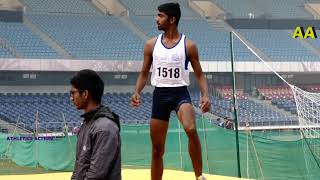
[[98, 154]]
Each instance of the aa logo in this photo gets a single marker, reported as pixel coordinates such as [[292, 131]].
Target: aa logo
[[302, 34]]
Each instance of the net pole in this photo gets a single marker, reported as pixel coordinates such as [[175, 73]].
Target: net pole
[[36, 136], [72, 149], [205, 137], [248, 175], [14, 133], [205, 141], [234, 104]]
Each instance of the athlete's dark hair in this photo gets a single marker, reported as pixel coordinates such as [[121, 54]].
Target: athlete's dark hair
[[89, 80], [172, 10]]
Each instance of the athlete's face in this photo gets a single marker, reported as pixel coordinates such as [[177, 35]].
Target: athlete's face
[[162, 21]]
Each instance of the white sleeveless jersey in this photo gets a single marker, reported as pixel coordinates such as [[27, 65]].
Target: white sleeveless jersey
[[170, 65]]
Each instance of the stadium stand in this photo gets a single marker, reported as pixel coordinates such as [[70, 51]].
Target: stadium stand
[[50, 109], [261, 9], [147, 8], [275, 92], [312, 88], [4, 53], [226, 93], [85, 33], [251, 112], [278, 45], [61, 6], [91, 37], [280, 96], [26, 43]]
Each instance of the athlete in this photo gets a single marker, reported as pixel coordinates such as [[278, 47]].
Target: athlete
[[169, 54]]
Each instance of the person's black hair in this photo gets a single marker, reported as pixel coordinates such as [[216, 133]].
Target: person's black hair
[[89, 80], [172, 10]]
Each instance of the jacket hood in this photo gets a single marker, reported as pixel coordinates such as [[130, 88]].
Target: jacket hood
[[102, 111]]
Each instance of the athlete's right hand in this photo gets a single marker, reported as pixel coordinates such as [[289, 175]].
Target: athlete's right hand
[[135, 100]]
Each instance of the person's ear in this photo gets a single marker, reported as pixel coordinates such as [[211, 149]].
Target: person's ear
[[173, 20], [85, 94]]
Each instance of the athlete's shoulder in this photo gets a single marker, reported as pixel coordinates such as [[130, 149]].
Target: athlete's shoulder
[[191, 47], [190, 43], [151, 42]]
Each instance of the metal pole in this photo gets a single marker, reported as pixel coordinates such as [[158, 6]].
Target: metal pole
[[205, 141], [205, 137], [72, 149], [235, 105], [36, 136]]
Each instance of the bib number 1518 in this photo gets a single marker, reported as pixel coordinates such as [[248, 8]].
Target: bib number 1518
[[168, 72]]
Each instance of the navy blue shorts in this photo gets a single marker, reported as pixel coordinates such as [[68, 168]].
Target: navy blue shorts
[[166, 99]]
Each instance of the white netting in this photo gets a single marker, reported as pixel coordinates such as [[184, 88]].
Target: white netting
[[308, 108]]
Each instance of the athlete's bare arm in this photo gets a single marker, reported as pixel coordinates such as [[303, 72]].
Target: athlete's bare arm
[[192, 53], [143, 76]]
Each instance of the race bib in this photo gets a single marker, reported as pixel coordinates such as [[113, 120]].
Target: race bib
[[169, 71]]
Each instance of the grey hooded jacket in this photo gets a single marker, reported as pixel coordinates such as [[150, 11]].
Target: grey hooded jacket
[[98, 154]]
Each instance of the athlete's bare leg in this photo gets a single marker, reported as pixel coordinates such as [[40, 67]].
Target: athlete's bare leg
[[186, 116], [158, 133]]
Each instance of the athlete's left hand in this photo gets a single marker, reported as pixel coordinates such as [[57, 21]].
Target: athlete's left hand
[[205, 104]]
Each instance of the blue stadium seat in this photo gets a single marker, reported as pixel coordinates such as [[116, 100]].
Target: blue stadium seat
[[280, 9], [26, 43], [60, 6], [92, 37]]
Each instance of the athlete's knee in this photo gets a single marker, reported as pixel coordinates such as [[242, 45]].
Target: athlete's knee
[[191, 131], [157, 150]]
